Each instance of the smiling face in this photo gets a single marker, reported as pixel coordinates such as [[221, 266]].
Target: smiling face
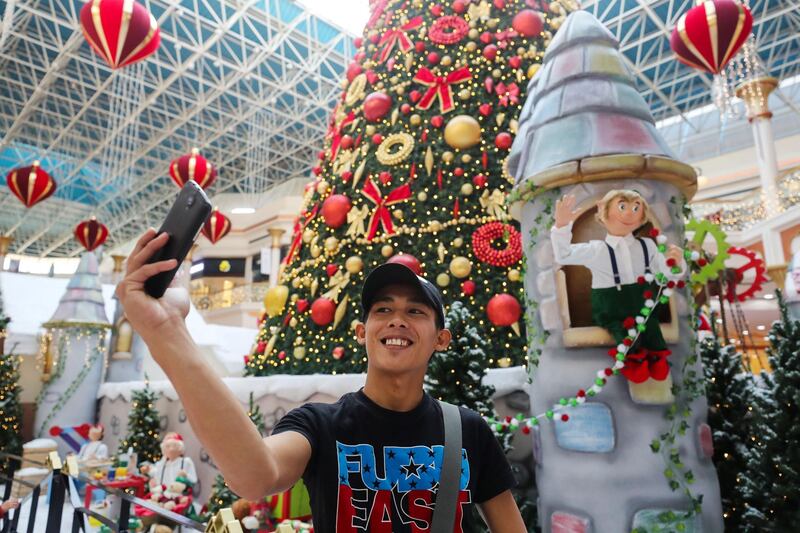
[[624, 215], [400, 331]]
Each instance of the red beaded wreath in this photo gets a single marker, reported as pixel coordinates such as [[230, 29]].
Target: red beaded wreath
[[484, 237], [448, 30]]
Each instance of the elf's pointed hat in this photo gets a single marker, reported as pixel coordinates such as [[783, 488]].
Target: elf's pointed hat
[[585, 121]]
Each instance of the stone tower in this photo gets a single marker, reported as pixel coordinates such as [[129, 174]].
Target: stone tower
[[73, 353], [585, 130]]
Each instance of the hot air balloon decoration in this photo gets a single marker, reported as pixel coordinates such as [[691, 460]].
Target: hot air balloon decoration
[[91, 233], [121, 31], [709, 35], [31, 184], [192, 166], [216, 227]]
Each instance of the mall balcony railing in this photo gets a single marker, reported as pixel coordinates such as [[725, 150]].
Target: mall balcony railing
[[747, 211], [248, 293], [61, 482]]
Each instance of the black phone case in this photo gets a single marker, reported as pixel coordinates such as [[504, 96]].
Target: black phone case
[[184, 221]]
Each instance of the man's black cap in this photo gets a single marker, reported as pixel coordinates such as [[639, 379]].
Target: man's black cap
[[398, 274]]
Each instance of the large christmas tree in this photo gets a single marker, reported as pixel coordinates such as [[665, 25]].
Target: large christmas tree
[[728, 388], [143, 427], [772, 477], [10, 406], [413, 170]]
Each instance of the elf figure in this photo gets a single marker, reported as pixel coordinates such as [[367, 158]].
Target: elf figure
[[623, 267]]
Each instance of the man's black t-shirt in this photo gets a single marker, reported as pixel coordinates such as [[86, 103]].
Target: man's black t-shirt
[[376, 470]]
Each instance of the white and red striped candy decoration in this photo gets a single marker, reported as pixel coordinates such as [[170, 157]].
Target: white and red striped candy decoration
[[195, 167], [121, 31]]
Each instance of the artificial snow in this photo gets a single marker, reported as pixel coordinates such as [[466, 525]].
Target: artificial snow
[[40, 444]]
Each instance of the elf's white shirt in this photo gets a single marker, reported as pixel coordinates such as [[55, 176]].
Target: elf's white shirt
[[165, 471], [93, 450], [594, 256]]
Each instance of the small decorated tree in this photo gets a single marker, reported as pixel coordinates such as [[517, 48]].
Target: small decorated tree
[[10, 407], [728, 388], [143, 426], [773, 468]]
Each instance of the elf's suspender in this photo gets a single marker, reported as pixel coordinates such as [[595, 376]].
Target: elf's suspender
[[615, 268], [165, 467]]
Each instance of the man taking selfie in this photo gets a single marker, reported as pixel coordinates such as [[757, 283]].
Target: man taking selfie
[[372, 461]]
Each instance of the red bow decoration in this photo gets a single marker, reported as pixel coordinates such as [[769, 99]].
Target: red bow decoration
[[381, 216], [440, 85], [298, 233], [507, 93], [398, 36], [336, 133], [645, 364]]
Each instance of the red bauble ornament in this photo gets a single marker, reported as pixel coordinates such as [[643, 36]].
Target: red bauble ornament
[[415, 95], [346, 176], [358, 41], [121, 32], [192, 166], [335, 209], [385, 177], [503, 140], [408, 260], [322, 311], [709, 35], [468, 288], [377, 138], [515, 62], [331, 269], [433, 58], [302, 305], [374, 38], [30, 184], [528, 23], [459, 6], [321, 155], [419, 47], [436, 10], [503, 310], [346, 142], [91, 233], [376, 106], [338, 352], [216, 227], [405, 109], [485, 109], [317, 170], [353, 70], [437, 121], [490, 52], [458, 171], [500, 4], [479, 181]]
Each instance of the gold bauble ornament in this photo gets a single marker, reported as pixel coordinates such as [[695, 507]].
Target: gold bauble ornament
[[460, 267], [514, 274], [462, 131], [466, 158], [435, 226], [504, 362], [400, 90], [447, 157], [354, 264], [308, 234], [293, 322], [331, 244], [467, 189], [387, 250], [471, 46], [496, 73], [398, 214], [294, 297], [307, 281], [316, 251], [299, 352], [521, 51], [458, 242], [370, 129], [532, 70], [275, 300], [422, 196], [443, 280], [492, 23], [446, 61], [473, 34], [322, 187], [415, 120], [296, 282], [464, 94]]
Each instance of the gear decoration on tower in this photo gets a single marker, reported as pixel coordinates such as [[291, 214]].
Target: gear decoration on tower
[[708, 269], [753, 263]]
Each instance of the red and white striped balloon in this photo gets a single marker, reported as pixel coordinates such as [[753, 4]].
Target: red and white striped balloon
[[121, 31]]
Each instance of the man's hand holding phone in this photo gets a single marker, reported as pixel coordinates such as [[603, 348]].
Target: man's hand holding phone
[[148, 315]]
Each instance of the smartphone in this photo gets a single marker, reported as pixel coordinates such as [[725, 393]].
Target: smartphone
[[183, 223]]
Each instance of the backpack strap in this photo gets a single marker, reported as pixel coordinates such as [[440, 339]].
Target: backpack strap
[[444, 514]]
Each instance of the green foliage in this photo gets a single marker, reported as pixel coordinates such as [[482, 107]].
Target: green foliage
[[10, 406], [143, 427], [728, 390], [256, 416], [221, 496], [772, 477], [452, 191]]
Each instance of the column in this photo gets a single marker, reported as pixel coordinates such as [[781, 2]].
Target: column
[[5, 242], [119, 266], [276, 234]]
